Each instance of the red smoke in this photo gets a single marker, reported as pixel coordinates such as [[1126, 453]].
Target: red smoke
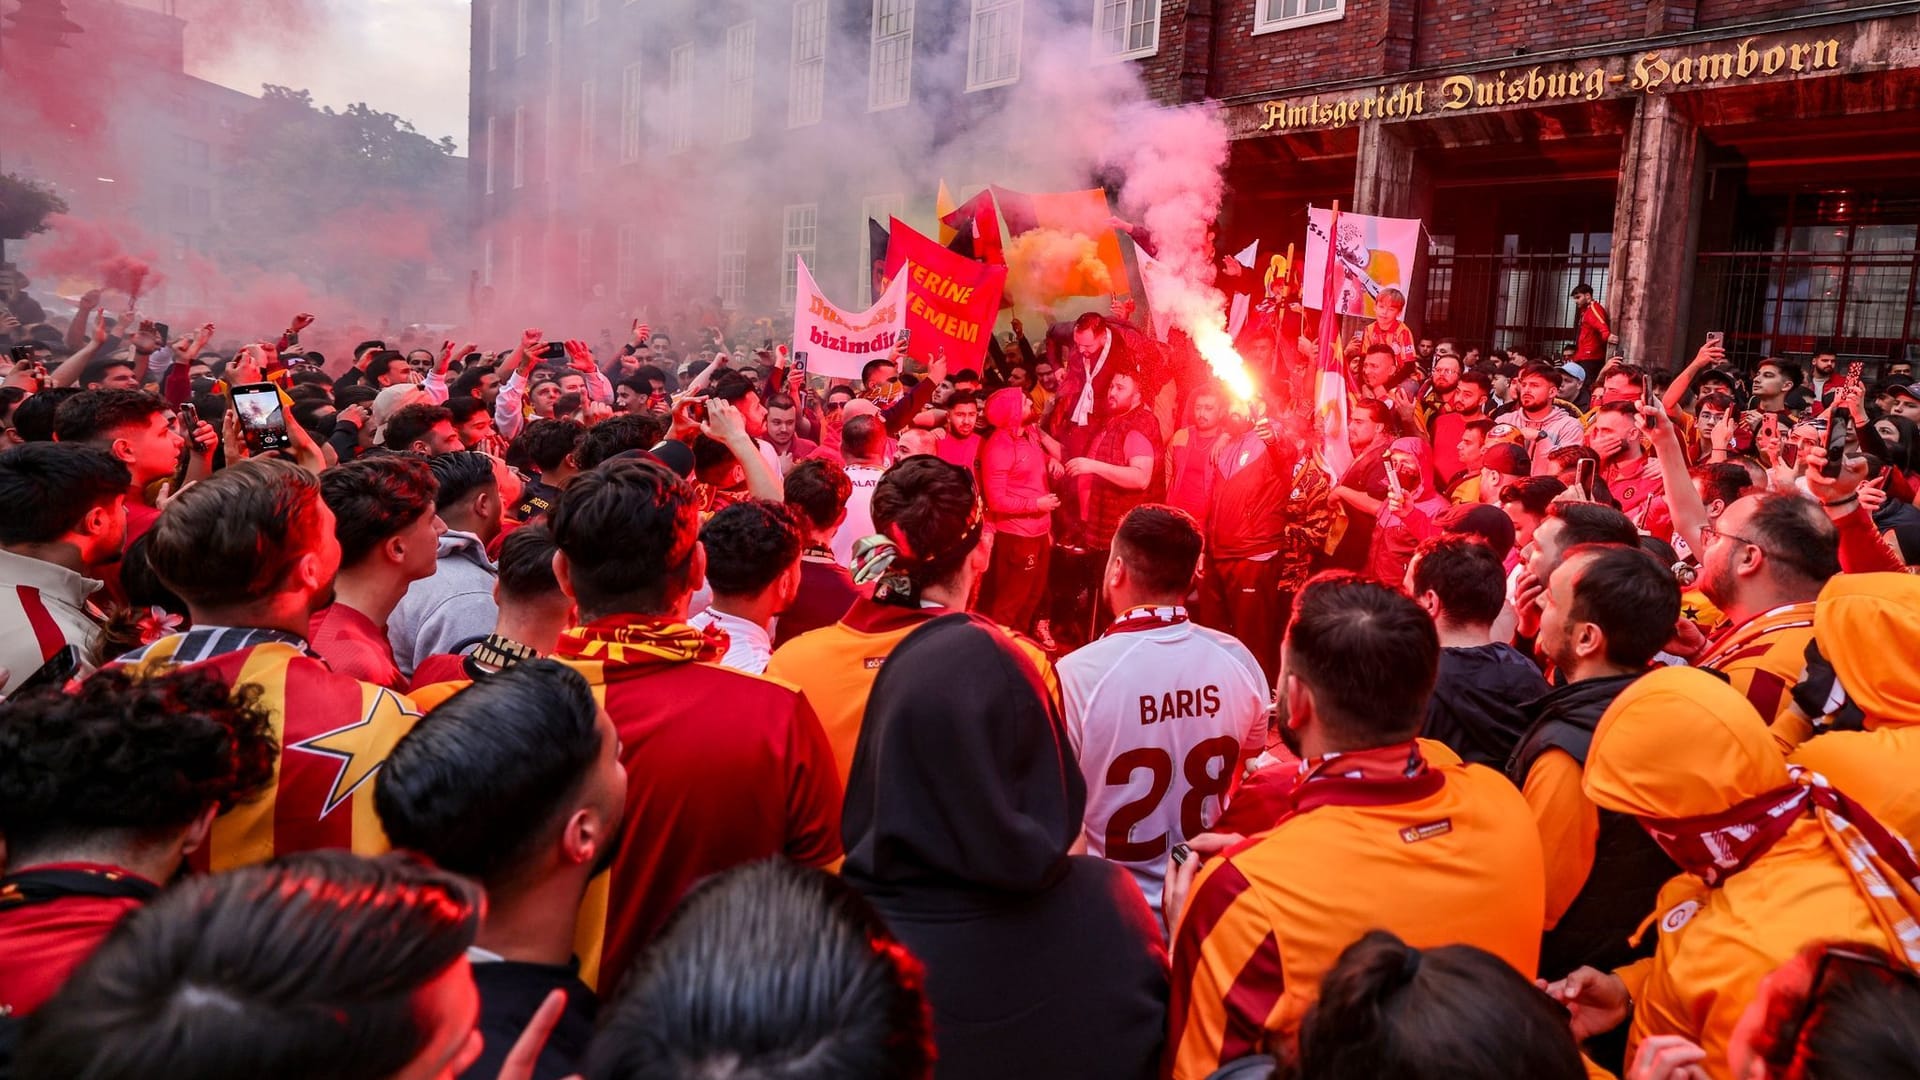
[[95, 252]]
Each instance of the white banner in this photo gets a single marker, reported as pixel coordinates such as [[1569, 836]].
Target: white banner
[[1243, 302], [838, 343], [1376, 252]]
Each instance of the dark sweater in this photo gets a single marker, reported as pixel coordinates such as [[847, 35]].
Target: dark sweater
[[1479, 702]]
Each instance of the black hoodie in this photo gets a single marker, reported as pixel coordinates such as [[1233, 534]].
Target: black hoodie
[[1479, 702], [962, 802]]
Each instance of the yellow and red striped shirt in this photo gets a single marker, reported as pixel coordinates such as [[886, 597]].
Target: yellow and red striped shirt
[[1448, 857], [1763, 658], [334, 733]]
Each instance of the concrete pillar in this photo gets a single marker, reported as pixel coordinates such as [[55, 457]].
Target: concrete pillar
[[1655, 233], [1390, 179]]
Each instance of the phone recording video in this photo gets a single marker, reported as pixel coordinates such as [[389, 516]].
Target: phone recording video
[[1584, 473], [263, 420], [1839, 426]]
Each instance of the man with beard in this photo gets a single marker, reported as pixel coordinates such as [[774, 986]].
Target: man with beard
[[1362, 490], [516, 782], [1822, 381], [960, 444], [1763, 564], [1605, 614], [1119, 463], [1193, 452], [1540, 418]]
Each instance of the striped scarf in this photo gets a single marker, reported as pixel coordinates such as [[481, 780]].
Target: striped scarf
[[1714, 847], [641, 640]]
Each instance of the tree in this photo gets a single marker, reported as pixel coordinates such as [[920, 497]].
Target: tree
[[25, 206], [357, 201]]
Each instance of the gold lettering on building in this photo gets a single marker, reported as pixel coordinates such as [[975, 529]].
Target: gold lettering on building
[[1650, 72]]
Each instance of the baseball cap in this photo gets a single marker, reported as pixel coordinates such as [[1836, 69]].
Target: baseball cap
[[1574, 370], [1905, 390]]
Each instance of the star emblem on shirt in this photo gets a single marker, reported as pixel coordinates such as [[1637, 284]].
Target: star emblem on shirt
[[360, 747]]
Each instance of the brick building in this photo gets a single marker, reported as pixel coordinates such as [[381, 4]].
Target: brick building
[[1736, 165]]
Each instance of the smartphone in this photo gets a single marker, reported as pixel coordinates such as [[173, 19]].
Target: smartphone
[[1393, 480], [554, 350], [1584, 472], [54, 674], [1648, 396], [1839, 425], [1770, 425], [263, 420], [1181, 853], [1717, 337], [21, 354], [800, 363], [906, 335], [189, 419], [163, 332]]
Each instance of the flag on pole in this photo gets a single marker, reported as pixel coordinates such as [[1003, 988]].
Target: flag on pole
[[1377, 253], [1330, 369], [944, 205], [1242, 302]]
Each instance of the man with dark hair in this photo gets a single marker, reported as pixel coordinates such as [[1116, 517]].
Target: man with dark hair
[[516, 782], [271, 971], [817, 491], [935, 548], [834, 994], [33, 418], [783, 426], [533, 615], [389, 534], [1363, 487], [736, 767], [960, 436], [1763, 565], [112, 373], [473, 423], [617, 435], [1633, 477], [1476, 708], [1773, 382], [1436, 853], [1537, 414], [737, 390], [753, 567], [454, 605], [863, 442], [550, 446], [1526, 501], [136, 427], [1158, 696], [1568, 525], [1606, 613], [423, 429], [1592, 331], [64, 526], [92, 835], [253, 554], [1114, 477]]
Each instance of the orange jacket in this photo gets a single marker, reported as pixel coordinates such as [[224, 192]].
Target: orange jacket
[[1267, 920], [1763, 659], [1680, 743], [836, 665], [1868, 627]]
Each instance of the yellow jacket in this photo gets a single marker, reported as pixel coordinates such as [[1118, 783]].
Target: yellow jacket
[[1868, 627], [1678, 744]]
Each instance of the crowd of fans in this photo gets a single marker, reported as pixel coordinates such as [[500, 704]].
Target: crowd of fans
[[645, 712]]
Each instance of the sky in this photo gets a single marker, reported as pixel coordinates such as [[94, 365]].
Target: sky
[[407, 57]]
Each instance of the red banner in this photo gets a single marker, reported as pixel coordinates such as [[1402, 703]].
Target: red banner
[[951, 301]]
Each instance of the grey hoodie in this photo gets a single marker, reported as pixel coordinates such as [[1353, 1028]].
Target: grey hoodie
[[453, 607]]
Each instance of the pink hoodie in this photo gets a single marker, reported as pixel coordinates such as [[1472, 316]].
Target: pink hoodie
[[1013, 469]]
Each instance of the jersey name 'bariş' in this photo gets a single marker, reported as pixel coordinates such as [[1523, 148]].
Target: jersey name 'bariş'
[[1179, 705]]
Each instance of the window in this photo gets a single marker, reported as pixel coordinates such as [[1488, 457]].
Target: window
[[733, 262], [1127, 29], [739, 122], [192, 153], [890, 80], [583, 260], [680, 98], [801, 232], [489, 33], [519, 147], [807, 80], [519, 27], [589, 10], [588, 129], [632, 113], [1288, 14], [878, 208], [626, 269], [993, 52], [490, 149]]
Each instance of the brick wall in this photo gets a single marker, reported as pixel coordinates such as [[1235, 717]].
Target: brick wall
[[1246, 64], [1732, 12], [1459, 32]]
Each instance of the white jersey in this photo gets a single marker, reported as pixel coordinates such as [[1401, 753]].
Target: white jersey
[[1161, 718], [859, 523]]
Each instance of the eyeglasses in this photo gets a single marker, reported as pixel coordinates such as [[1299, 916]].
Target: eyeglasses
[[835, 406], [1708, 532]]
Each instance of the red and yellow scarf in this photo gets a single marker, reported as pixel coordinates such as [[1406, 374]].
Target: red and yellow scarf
[[641, 640]]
